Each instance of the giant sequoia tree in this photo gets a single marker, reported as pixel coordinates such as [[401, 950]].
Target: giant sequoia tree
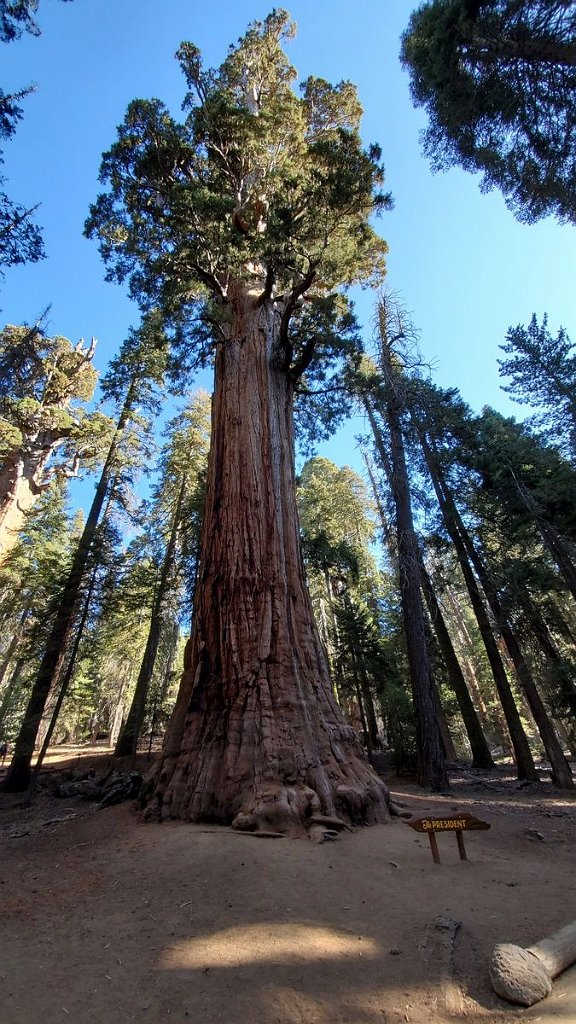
[[254, 210], [43, 382], [497, 78]]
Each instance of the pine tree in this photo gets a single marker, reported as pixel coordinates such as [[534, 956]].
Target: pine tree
[[497, 78], [20, 238], [184, 463], [541, 369], [131, 381], [29, 582], [337, 528], [387, 392]]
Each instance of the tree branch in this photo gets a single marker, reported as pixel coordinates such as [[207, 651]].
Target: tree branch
[[291, 302]]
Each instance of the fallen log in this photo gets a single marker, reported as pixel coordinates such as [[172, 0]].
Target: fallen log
[[524, 976]]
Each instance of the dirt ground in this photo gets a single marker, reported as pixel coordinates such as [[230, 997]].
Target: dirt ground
[[106, 920]]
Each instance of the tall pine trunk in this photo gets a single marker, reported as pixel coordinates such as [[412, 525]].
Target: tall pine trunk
[[19, 772], [63, 688], [10, 693], [522, 754], [481, 756], [257, 738], [561, 773], [431, 760], [127, 743]]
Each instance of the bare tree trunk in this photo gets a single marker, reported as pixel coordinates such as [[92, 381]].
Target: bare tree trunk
[[63, 690], [16, 637], [18, 777], [431, 761], [493, 719], [10, 692], [561, 773], [446, 735], [20, 484], [480, 750], [116, 722], [257, 738], [481, 756], [524, 761], [128, 739]]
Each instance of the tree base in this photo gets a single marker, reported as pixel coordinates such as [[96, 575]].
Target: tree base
[[18, 776], [281, 809]]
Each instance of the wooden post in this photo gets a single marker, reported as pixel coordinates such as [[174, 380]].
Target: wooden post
[[434, 847]]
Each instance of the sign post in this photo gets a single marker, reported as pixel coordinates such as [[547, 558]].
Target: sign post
[[458, 823]]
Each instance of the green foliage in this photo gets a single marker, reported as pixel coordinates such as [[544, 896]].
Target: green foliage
[[497, 78], [43, 381], [334, 501], [542, 372], [18, 16], [30, 580], [148, 592], [325, 346], [20, 238], [139, 370], [256, 185]]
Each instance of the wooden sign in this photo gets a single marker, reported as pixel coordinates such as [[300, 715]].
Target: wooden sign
[[458, 822]]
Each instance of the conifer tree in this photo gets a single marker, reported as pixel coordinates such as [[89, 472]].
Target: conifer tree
[[541, 372], [497, 78], [131, 381], [45, 382], [184, 462], [387, 385], [29, 583], [256, 210], [20, 238], [336, 514]]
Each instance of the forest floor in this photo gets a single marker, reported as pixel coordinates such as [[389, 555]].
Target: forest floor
[[106, 920]]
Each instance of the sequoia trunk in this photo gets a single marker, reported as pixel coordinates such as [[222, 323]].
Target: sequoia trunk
[[256, 738], [20, 484]]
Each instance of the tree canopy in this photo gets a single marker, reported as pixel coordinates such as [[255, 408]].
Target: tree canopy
[[18, 16], [256, 184], [498, 79]]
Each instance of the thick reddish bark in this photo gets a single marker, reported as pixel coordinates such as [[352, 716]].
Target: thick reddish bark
[[21, 478], [256, 738]]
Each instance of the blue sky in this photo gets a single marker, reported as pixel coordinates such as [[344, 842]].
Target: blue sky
[[464, 267]]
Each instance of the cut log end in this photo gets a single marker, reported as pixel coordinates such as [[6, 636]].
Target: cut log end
[[518, 976]]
